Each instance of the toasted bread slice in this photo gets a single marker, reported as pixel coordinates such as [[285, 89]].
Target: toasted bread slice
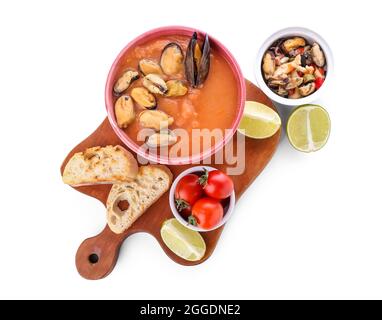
[[110, 164], [128, 201]]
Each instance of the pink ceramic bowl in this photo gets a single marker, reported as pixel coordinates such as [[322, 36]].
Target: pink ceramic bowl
[[152, 34]]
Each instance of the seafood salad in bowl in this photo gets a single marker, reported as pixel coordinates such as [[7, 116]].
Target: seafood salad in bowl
[[293, 66]]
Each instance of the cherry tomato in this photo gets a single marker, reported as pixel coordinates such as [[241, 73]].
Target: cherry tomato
[[187, 191], [318, 82], [216, 184], [206, 213], [300, 50]]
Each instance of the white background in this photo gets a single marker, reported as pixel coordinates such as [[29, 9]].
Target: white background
[[309, 227]]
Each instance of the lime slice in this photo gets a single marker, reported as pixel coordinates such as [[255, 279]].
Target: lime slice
[[259, 121], [185, 243], [308, 128]]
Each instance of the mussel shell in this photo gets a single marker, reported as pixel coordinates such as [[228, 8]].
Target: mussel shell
[[171, 60], [197, 68], [125, 80], [144, 98], [204, 67], [161, 139], [191, 68]]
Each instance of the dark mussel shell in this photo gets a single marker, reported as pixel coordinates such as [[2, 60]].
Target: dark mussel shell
[[190, 66], [197, 62], [204, 66]]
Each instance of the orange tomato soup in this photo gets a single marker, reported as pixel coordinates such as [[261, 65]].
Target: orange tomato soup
[[212, 106]]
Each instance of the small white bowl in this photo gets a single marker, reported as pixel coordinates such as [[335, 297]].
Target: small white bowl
[[227, 211], [312, 37]]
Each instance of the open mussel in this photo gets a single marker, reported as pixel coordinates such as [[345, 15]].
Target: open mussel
[[171, 60], [197, 62], [125, 80]]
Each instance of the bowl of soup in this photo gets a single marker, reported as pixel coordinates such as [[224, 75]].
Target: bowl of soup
[[175, 95]]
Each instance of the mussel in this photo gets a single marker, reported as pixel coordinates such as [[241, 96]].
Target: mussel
[[197, 62], [318, 55], [275, 83], [282, 92], [294, 82], [171, 60], [125, 81], [309, 78], [144, 98], [155, 84], [148, 66], [307, 89], [155, 119], [269, 64], [124, 111], [176, 88], [163, 138], [292, 43]]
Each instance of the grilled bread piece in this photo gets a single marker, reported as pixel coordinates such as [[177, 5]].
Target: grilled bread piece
[[110, 164], [128, 201]]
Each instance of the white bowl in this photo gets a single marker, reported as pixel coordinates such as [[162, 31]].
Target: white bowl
[[309, 35], [227, 211]]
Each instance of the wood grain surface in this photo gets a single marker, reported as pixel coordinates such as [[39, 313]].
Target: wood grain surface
[[97, 256]]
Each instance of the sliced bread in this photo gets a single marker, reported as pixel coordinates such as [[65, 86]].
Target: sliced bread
[[110, 164], [128, 201]]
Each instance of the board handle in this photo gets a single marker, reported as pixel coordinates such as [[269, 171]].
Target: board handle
[[97, 256]]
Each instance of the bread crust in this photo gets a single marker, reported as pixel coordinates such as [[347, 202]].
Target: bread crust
[[100, 165], [150, 184]]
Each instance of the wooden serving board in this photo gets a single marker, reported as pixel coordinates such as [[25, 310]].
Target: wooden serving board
[[97, 256]]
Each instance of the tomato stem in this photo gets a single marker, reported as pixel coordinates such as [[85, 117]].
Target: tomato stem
[[203, 178], [181, 204], [192, 221]]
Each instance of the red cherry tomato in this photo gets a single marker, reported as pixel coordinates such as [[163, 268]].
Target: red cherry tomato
[[318, 82], [216, 184], [187, 191], [206, 213]]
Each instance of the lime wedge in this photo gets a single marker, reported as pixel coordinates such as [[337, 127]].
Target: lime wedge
[[259, 121], [308, 128], [185, 243]]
